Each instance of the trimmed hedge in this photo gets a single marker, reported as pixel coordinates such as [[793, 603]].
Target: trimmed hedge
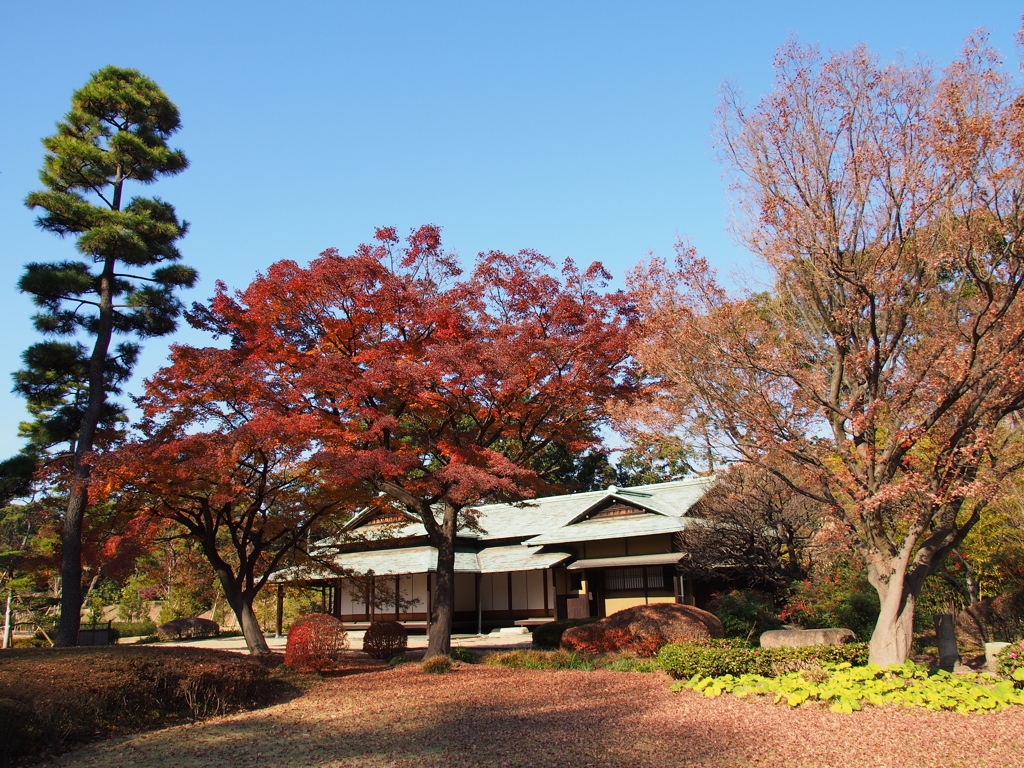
[[385, 639], [643, 630], [315, 642], [188, 629], [715, 658], [53, 697], [134, 628], [550, 635]]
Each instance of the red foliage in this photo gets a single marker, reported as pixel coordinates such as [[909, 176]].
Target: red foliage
[[643, 629], [315, 642], [391, 369]]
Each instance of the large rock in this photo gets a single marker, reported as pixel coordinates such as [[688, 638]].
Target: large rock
[[794, 638], [643, 629]]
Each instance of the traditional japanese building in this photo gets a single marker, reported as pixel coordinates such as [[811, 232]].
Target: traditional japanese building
[[570, 556]]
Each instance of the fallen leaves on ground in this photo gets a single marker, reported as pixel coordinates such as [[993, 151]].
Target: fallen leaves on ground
[[483, 717]]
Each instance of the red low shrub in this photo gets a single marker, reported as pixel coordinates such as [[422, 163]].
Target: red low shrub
[[315, 642], [643, 629]]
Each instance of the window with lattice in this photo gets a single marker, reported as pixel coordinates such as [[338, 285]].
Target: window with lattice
[[634, 579]]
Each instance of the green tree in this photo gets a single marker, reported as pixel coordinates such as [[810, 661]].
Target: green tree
[[115, 133]]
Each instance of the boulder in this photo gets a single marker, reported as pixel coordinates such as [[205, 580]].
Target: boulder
[[794, 638], [643, 629]]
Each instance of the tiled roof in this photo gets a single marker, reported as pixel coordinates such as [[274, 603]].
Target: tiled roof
[[403, 560], [611, 528], [549, 520]]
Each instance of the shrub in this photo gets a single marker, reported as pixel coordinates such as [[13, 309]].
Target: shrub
[[550, 635], [844, 598], [384, 639], [437, 665], [187, 629], [716, 658], [134, 628], [464, 655], [745, 613], [315, 642], [394, 661], [1011, 662], [643, 629], [50, 698]]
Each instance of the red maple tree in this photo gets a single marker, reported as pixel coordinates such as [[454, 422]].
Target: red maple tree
[[397, 374], [227, 468]]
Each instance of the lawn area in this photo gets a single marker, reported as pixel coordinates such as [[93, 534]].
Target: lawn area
[[483, 716]]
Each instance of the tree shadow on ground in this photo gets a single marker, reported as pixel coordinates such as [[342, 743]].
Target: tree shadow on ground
[[412, 719]]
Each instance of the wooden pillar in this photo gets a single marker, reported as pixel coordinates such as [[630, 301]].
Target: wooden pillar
[[478, 578], [398, 594], [430, 606], [510, 614], [373, 596], [279, 623], [336, 602], [544, 589]]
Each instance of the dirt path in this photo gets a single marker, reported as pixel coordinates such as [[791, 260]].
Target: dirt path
[[401, 718]]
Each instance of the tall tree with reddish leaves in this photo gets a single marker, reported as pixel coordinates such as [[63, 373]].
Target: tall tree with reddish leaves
[[887, 361], [434, 388], [231, 469]]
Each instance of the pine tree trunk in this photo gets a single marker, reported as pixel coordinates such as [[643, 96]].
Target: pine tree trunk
[[71, 536], [71, 572]]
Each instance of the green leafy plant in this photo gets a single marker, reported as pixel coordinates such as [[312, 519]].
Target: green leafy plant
[[464, 655], [841, 598], [849, 688], [745, 613], [1011, 662]]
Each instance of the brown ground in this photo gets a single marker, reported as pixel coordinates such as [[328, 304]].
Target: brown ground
[[475, 716]]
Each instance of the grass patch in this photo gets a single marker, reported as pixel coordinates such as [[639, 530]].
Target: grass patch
[[54, 698], [615, 662]]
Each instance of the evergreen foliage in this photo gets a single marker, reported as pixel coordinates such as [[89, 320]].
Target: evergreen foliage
[[123, 282]]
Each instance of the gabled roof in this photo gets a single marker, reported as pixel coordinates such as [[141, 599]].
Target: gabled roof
[[547, 519]]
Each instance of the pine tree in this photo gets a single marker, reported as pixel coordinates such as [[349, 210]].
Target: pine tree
[[115, 133]]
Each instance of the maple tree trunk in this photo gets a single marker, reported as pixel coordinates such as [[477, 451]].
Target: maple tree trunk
[[241, 605], [440, 641], [893, 635]]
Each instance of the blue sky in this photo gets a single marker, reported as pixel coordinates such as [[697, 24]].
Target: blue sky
[[578, 129]]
